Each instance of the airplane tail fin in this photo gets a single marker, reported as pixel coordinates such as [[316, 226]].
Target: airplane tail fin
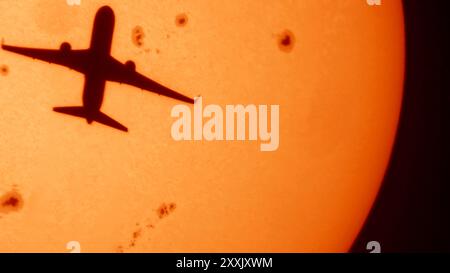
[[79, 111]]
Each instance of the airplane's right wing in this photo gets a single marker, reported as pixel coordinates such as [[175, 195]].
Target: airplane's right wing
[[115, 71], [73, 59]]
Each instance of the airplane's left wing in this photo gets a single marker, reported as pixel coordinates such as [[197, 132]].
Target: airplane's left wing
[[115, 71], [74, 59]]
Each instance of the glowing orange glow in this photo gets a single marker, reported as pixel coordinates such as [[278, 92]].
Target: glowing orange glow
[[335, 68]]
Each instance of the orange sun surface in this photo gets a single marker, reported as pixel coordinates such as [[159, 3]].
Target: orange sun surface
[[335, 68]]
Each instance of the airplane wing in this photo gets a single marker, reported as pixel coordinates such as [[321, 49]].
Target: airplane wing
[[73, 59], [125, 73]]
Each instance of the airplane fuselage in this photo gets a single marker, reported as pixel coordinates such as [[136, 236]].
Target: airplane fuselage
[[100, 50]]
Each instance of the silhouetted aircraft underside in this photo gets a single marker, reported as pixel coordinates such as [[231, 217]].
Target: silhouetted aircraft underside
[[98, 66]]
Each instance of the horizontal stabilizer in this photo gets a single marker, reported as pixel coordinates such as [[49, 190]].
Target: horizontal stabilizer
[[104, 119], [79, 111]]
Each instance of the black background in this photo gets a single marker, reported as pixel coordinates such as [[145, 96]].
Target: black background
[[411, 213]]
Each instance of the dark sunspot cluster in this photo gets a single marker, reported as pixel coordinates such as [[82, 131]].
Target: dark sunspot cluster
[[181, 20], [137, 36], [286, 41], [165, 209], [11, 202], [4, 70]]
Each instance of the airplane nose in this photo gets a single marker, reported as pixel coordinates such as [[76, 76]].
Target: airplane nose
[[106, 10]]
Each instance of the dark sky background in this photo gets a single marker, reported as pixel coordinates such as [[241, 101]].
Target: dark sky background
[[412, 213]]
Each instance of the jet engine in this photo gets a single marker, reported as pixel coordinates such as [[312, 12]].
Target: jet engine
[[65, 47], [130, 65]]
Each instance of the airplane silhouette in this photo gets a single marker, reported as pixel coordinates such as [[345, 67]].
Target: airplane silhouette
[[98, 66]]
